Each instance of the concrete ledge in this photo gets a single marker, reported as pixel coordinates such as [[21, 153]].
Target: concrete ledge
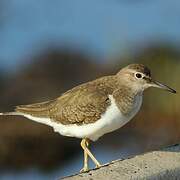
[[163, 164]]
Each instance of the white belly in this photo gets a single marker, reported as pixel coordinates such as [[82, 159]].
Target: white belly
[[111, 120]]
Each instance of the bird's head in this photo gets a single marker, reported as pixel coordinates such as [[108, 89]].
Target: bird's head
[[139, 77]]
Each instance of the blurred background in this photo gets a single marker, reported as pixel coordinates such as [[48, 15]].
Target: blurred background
[[48, 47]]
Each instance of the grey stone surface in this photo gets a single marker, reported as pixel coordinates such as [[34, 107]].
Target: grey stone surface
[[156, 165]]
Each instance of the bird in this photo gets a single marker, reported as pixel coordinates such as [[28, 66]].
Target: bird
[[95, 108]]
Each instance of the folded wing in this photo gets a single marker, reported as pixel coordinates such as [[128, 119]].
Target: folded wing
[[77, 106]]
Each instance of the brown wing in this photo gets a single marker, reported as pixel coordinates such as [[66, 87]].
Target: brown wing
[[81, 105]]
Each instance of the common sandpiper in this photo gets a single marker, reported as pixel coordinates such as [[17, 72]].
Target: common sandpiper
[[92, 109]]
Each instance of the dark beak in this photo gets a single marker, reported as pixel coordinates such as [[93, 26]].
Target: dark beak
[[162, 86]]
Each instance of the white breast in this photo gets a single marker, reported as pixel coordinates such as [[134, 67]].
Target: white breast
[[111, 120]]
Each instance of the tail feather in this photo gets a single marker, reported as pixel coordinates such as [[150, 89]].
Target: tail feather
[[10, 114]]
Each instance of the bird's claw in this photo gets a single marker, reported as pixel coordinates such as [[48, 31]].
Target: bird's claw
[[98, 166], [84, 169]]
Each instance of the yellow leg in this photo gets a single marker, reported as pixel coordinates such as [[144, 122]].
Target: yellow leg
[[88, 152], [85, 167]]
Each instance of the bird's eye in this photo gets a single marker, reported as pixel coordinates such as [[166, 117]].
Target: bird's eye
[[138, 75]]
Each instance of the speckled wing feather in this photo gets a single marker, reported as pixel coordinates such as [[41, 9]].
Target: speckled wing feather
[[81, 105]]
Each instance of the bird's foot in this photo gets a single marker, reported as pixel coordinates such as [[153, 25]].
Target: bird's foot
[[84, 169], [98, 166]]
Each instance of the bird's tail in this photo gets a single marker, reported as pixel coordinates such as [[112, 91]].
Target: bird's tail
[[10, 114]]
